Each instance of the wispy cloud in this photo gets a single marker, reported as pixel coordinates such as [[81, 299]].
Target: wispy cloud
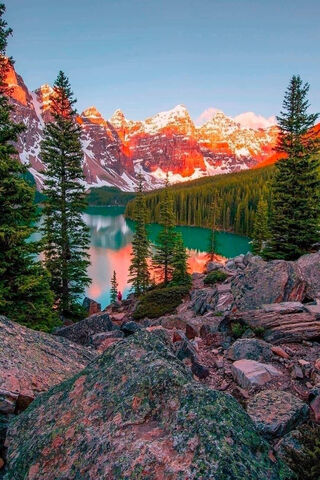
[[252, 120]]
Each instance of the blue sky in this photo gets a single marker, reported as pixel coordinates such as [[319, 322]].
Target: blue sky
[[146, 56]]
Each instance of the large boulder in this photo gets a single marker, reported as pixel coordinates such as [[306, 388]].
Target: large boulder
[[309, 269], [136, 412], [249, 373], [91, 306], [83, 331], [279, 326], [251, 349], [275, 413], [31, 362], [268, 282]]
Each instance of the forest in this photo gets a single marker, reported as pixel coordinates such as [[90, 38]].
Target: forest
[[238, 195]]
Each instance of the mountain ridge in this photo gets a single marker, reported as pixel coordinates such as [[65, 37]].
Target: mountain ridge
[[117, 150]]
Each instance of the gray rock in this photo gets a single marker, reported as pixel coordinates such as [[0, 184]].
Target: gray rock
[[284, 307], [251, 349], [129, 328], [249, 373], [211, 266], [290, 441], [91, 306], [275, 413], [97, 339], [81, 332]]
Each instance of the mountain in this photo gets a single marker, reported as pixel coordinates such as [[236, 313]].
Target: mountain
[[118, 149]]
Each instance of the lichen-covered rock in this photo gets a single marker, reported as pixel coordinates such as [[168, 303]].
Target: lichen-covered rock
[[32, 362], [136, 413], [251, 349], [83, 331], [275, 413]]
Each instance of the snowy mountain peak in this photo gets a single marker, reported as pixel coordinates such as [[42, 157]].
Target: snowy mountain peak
[[91, 112], [118, 119]]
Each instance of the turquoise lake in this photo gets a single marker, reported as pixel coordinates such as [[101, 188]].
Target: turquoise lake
[[111, 237]]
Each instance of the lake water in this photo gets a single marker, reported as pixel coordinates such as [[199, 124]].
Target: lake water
[[111, 237]]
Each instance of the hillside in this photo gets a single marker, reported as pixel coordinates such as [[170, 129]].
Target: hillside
[[238, 192]]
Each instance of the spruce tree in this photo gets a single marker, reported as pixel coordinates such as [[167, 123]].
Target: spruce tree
[[25, 294], [180, 275], [261, 227], [114, 288], [65, 235], [214, 216], [166, 239], [138, 271], [296, 184]]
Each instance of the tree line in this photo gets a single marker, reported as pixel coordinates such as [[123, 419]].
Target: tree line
[[237, 194], [38, 292]]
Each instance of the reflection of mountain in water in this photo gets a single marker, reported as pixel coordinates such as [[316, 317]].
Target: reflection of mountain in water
[[112, 232]]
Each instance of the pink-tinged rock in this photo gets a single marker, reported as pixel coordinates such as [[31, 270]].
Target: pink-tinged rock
[[91, 306], [31, 362], [137, 413], [249, 373], [315, 408], [279, 351], [275, 413]]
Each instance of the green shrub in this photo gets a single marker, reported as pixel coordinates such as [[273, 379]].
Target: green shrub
[[305, 462], [258, 331], [238, 329], [215, 277], [160, 301]]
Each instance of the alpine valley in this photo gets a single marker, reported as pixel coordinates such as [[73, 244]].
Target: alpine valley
[[116, 151]]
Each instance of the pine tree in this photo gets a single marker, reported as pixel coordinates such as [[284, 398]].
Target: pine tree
[[114, 288], [296, 184], [25, 294], [65, 235], [214, 215], [166, 239], [261, 227], [180, 275], [138, 271]]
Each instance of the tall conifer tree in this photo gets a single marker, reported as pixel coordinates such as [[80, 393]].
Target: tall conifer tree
[[114, 288], [65, 235], [261, 227], [180, 275], [25, 295], [166, 239], [214, 216], [138, 271], [296, 184]]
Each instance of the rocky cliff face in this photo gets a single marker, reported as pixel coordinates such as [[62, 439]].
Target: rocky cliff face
[[117, 150]]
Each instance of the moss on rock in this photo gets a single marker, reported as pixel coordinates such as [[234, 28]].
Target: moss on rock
[[136, 413]]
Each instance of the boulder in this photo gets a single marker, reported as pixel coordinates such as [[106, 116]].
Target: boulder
[[251, 349], [91, 306], [81, 332], [31, 362], [309, 270], [268, 282], [249, 373], [136, 412], [102, 341], [129, 328], [280, 327], [211, 266], [275, 413], [290, 441]]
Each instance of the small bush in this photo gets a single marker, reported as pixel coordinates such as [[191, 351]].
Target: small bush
[[238, 329], [258, 331], [305, 462], [160, 301], [215, 277]]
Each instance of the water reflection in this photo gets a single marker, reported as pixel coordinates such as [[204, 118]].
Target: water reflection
[[111, 237]]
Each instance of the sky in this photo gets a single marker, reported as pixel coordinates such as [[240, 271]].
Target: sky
[[146, 56]]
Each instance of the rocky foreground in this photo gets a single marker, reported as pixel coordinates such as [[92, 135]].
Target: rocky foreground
[[214, 391]]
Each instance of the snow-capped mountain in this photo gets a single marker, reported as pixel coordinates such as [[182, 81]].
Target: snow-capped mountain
[[118, 149]]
